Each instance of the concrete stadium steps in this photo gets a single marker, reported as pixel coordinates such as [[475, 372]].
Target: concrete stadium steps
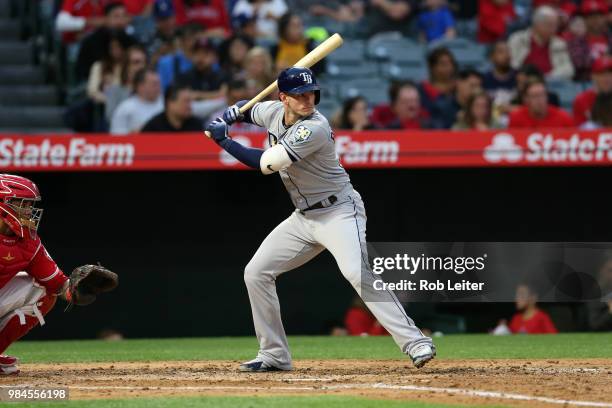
[[15, 53], [25, 95], [22, 117], [21, 75]]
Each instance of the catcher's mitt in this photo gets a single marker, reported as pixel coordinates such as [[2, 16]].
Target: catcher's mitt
[[87, 281]]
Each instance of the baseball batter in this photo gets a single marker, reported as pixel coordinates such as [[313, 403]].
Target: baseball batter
[[329, 215]]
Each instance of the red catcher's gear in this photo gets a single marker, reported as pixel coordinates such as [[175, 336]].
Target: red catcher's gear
[[14, 330], [17, 198]]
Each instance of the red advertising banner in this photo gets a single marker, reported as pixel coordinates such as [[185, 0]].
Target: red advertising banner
[[373, 149]]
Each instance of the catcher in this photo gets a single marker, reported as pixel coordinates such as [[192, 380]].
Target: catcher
[[30, 281]]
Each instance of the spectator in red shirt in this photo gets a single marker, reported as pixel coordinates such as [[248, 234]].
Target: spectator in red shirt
[[536, 112], [405, 110], [529, 319], [598, 36], [211, 14], [602, 83], [77, 17], [540, 46], [359, 321], [139, 7], [494, 16]]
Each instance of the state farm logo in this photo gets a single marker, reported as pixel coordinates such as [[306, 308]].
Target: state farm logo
[[548, 148], [503, 148], [76, 152], [353, 152]]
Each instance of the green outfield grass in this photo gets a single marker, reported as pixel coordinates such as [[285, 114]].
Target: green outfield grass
[[251, 402], [575, 345]]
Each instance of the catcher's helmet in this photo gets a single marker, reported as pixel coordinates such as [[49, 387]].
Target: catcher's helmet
[[297, 80], [17, 198]]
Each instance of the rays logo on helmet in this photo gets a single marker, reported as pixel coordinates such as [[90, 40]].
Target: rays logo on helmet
[[306, 77], [301, 135]]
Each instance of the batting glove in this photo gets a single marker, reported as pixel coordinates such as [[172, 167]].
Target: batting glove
[[218, 130], [232, 114]]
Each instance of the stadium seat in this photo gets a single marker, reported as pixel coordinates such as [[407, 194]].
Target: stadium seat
[[352, 51], [567, 91], [392, 47], [394, 71], [354, 70], [329, 108], [375, 91], [470, 57]]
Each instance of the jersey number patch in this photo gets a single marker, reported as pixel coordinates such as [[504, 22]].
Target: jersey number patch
[[301, 135]]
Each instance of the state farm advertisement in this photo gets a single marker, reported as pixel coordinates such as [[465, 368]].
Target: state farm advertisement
[[373, 149]]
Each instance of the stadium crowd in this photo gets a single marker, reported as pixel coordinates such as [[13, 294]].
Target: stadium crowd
[[172, 65]]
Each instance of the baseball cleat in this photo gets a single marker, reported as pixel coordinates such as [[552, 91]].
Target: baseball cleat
[[257, 366], [8, 360], [422, 354]]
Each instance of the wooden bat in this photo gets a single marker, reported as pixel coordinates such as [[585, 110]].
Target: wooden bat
[[314, 56]]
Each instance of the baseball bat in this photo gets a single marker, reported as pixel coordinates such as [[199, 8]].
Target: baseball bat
[[314, 56]]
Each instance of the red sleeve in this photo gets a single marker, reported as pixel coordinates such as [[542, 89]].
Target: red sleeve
[[68, 5], [358, 321], [46, 272], [580, 109], [491, 18], [568, 120], [546, 324], [515, 323], [179, 9], [225, 21], [515, 119]]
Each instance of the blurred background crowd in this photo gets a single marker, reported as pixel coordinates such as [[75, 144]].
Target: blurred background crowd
[[125, 66]]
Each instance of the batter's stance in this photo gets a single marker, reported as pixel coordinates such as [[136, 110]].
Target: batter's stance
[[329, 215]]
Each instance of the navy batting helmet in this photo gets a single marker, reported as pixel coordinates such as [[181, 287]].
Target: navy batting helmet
[[297, 80]]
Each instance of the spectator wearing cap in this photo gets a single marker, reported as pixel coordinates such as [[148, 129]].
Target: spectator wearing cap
[[436, 22], [602, 83], [595, 42], [292, 44], [205, 78], [131, 115], [540, 46], [494, 17], [537, 113], [265, 12], [94, 47], [177, 115], [172, 65], [445, 110], [211, 15], [162, 42], [77, 17], [442, 68], [404, 111]]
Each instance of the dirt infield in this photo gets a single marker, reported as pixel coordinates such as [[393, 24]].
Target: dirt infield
[[530, 383]]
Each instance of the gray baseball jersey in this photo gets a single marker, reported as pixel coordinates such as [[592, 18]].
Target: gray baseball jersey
[[312, 177]]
